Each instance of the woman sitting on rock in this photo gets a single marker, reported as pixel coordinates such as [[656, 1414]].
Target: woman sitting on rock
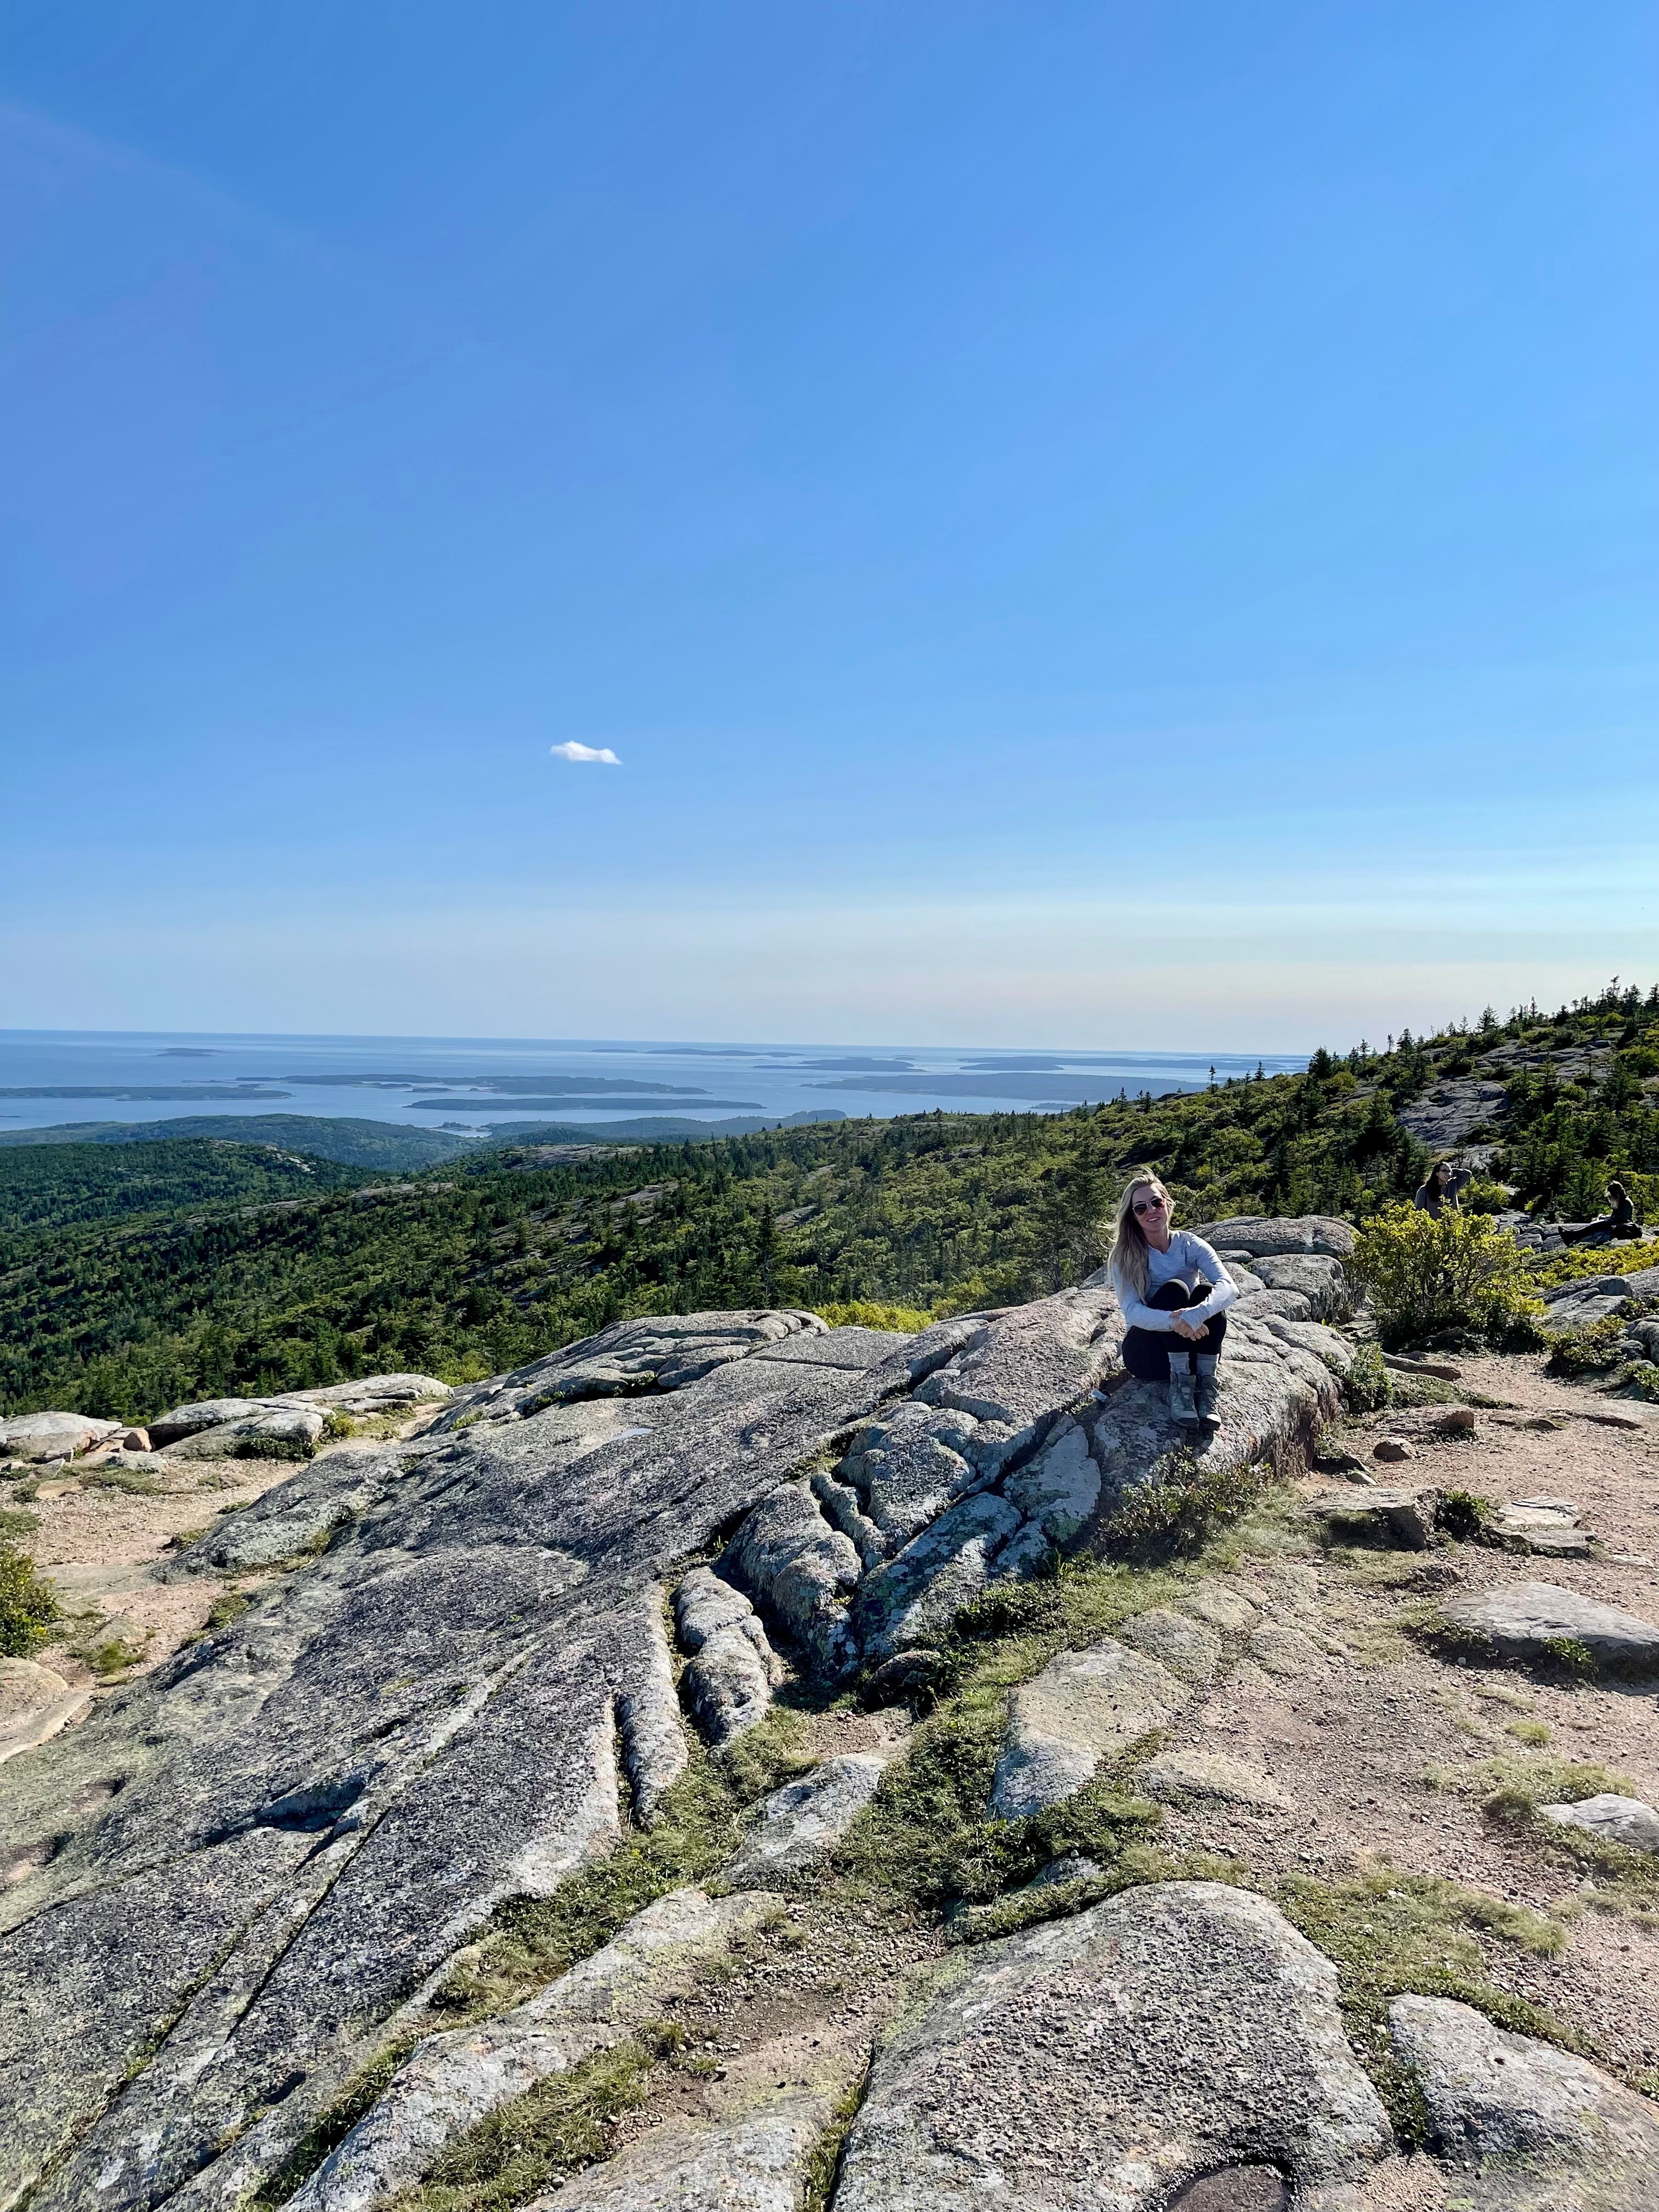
[[1174, 1292], [1440, 1189]]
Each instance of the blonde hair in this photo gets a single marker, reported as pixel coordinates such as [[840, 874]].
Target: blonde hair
[[1128, 1253]]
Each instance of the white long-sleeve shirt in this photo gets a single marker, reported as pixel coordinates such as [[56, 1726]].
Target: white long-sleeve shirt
[[1192, 1262]]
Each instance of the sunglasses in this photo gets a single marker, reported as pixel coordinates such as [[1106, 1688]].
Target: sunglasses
[[1149, 1205]]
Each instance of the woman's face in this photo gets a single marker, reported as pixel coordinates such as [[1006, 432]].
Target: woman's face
[[1152, 1210], [1443, 1175]]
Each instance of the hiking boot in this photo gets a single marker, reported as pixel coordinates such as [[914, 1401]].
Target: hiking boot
[[1182, 1406], [1206, 1389]]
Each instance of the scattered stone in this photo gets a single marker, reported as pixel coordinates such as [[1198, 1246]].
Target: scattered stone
[[1624, 1820], [1399, 1518], [1610, 1417], [1111, 2059], [734, 1668], [805, 1819], [450, 2082], [1393, 1450], [1525, 2128], [1084, 1707], [1440, 1370], [1522, 1620], [136, 1440], [1179, 1776], [1190, 1649], [1278, 1649]]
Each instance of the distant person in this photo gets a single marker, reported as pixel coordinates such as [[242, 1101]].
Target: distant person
[[1621, 1216], [1439, 1191], [1619, 1221], [1174, 1292]]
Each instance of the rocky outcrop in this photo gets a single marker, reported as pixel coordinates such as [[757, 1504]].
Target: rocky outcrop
[[1083, 1710], [1181, 2031], [800, 1822], [1524, 2128], [1255, 1237], [42, 1436], [1616, 1820], [452, 2081], [285, 1832], [1539, 1620]]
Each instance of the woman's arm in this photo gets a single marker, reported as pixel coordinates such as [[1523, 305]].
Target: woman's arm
[[1137, 1314], [1223, 1291]]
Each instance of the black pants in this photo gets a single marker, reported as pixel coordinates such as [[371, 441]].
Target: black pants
[[1147, 1350]]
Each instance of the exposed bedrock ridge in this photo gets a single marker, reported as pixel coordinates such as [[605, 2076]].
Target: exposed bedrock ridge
[[285, 1832]]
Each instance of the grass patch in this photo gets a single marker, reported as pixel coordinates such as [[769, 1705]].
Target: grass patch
[[18, 1524], [561, 2125], [823, 2167], [696, 1828], [333, 2126], [132, 1479], [1512, 1789], [230, 1605], [1464, 1515], [1533, 1734], [1390, 1935]]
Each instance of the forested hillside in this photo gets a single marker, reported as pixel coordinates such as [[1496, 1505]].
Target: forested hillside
[[489, 1261]]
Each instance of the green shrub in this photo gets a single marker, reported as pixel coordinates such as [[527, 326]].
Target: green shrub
[[1185, 1501], [1460, 1273], [28, 1605], [1642, 1377], [1481, 1194], [863, 1313], [18, 1524], [1368, 1386], [1577, 1352], [1464, 1515]]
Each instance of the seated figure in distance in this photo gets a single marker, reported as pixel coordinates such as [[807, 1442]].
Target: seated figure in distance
[[1174, 1292]]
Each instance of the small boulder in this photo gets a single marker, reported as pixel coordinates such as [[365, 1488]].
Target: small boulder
[[1396, 1519], [1219, 1604], [1278, 1649], [169, 1429], [1181, 1778], [805, 1819], [1190, 1649], [136, 1440], [1263, 1236], [1391, 1450], [1624, 1820], [1084, 1707], [1176, 2032], [288, 1429], [1525, 2128], [35, 1702], [1523, 1620]]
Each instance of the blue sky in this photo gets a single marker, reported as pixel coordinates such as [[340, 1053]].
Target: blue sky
[[1113, 525]]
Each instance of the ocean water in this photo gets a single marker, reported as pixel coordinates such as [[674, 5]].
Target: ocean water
[[475, 1084]]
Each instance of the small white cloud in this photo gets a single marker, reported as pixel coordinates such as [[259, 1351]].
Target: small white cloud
[[575, 752]]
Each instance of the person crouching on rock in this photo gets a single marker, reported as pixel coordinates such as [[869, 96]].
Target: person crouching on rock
[[1174, 1292]]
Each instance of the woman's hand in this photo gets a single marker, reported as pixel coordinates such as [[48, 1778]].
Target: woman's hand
[[1182, 1326]]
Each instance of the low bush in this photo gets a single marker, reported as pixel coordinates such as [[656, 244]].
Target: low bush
[[1481, 1194], [1368, 1386], [28, 1605], [1459, 1275], [1172, 1515], [862, 1313]]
